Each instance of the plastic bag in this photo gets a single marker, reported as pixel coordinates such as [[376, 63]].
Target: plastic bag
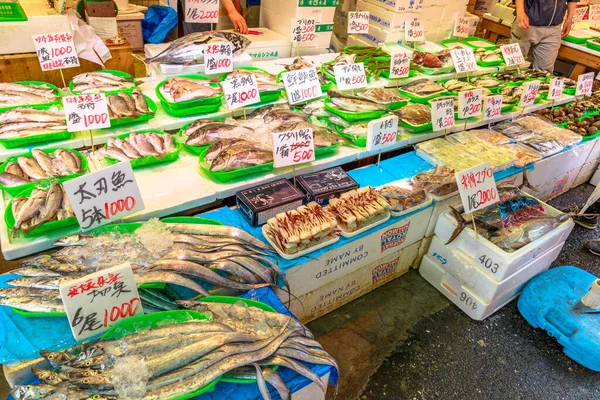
[[158, 22]]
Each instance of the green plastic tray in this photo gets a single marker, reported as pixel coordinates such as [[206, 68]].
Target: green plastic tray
[[182, 105], [415, 128], [141, 118], [358, 141], [448, 92], [508, 107], [34, 139], [14, 190], [110, 71], [489, 45], [37, 314], [486, 64], [386, 75], [352, 116], [231, 175], [583, 138], [326, 73], [576, 40], [195, 150], [147, 160], [12, 12], [421, 99], [592, 44], [268, 97], [492, 90], [453, 41], [57, 91], [191, 111], [437, 71]]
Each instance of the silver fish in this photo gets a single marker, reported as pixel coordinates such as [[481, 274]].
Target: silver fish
[[37, 304], [353, 103], [168, 277], [31, 115], [210, 133]]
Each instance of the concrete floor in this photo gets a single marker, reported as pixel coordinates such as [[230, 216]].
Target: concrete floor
[[406, 341]]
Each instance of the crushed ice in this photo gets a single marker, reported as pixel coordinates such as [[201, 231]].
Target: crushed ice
[[155, 236], [130, 377]]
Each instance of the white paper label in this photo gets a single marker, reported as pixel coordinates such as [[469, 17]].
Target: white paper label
[[218, 58], [202, 11], [530, 91], [302, 85], [350, 76], [512, 54], [382, 133], [414, 32], [358, 22], [594, 14], [579, 14], [104, 196], [400, 64], [85, 112], [477, 187], [557, 86], [461, 27], [293, 147], [492, 107], [303, 30], [469, 103], [585, 82], [241, 92], [464, 60], [442, 114], [56, 51], [97, 301]]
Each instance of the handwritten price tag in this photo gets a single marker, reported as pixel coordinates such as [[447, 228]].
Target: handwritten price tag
[[530, 92], [104, 196], [302, 85], [461, 27], [585, 82], [414, 31], [557, 86], [358, 22], [293, 147], [442, 114], [400, 64], [579, 14], [512, 54], [350, 76], [202, 11], [477, 187], [492, 107], [464, 60], [241, 92], [218, 58], [382, 133], [86, 112], [594, 14], [97, 301], [469, 103], [303, 30], [56, 51]]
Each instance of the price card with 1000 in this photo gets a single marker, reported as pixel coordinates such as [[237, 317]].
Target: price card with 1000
[[302, 85], [86, 112], [241, 92]]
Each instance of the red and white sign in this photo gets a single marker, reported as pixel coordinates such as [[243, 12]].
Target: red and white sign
[[218, 58], [400, 64], [470, 103], [492, 107], [585, 82], [350, 76], [530, 92], [464, 60], [302, 85], [579, 14], [594, 14], [303, 30], [414, 31], [97, 301], [382, 133], [85, 112], [202, 11], [442, 114], [56, 51], [241, 92], [512, 54], [358, 22], [557, 85], [477, 187], [461, 27], [293, 147]]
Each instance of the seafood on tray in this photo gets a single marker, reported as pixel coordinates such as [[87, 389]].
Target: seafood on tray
[[487, 56], [585, 126], [523, 156], [430, 60], [491, 136], [185, 89], [96, 82], [414, 114], [511, 94], [522, 75], [300, 63], [440, 181], [17, 94], [357, 130], [353, 103], [563, 136], [485, 82], [423, 87], [403, 195], [543, 146], [382, 96], [229, 155], [139, 145], [484, 150], [342, 59], [455, 85], [266, 82], [125, 105], [300, 229], [40, 166], [358, 208], [23, 122]]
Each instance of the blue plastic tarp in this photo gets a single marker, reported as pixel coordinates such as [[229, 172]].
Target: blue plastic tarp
[[158, 22]]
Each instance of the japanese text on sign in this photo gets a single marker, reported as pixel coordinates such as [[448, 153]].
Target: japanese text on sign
[[594, 14], [358, 22], [530, 92], [400, 64], [442, 114], [492, 107], [579, 14], [202, 11], [464, 60], [477, 187], [104, 196], [240, 92], [302, 85], [85, 112], [585, 82], [97, 301], [218, 58], [557, 86], [414, 32], [512, 54], [293, 147], [461, 27], [56, 51], [303, 30], [350, 76], [469, 103], [382, 133]]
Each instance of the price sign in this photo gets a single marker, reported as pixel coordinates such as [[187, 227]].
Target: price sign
[[85, 112], [492, 107], [303, 30], [594, 14], [293, 147], [512, 54], [477, 187], [461, 27], [530, 92], [241, 92], [469, 103], [302, 85], [464, 60], [218, 58], [350, 76], [202, 11], [382, 133], [442, 114], [579, 14], [400, 64], [104, 196], [358, 22], [585, 82], [56, 51], [557, 86], [97, 301], [414, 32]]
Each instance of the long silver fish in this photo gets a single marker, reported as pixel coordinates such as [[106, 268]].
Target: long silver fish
[[353, 103], [40, 304]]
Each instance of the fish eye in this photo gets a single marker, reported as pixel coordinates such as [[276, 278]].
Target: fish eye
[[85, 380], [50, 356]]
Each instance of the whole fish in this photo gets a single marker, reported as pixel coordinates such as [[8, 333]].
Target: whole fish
[[120, 107], [7, 179], [168, 277], [261, 77], [43, 160], [128, 99], [14, 169], [141, 104], [353, 103], [197, 124], [34, 272], [52, 203], [125, 147], [222, 144], [31, 168], [236, 158], [517, 236], [210, 133], [168, 142], [262, 111], [42, 282], [32, 132], [10, 98], [28, 392], [31, 115], [19, 87], [192, 92], [218, 231], [25, 291], [36, 304], [100, 77], [30, 208], [142, 144], [156, 141], [283, 115]]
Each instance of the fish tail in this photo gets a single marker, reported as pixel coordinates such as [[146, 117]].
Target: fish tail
[[147, 62], [461, 224]]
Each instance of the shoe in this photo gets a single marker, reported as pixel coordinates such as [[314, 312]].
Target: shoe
[[586, 221], [593, 246]]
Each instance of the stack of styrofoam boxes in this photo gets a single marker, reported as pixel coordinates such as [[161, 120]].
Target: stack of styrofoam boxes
[[478, 276], [277, 15]]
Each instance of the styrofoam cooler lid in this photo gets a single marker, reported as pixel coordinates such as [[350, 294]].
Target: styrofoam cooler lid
[[267, 38]]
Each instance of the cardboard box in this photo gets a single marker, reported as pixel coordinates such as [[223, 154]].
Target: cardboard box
[[130, 26], [325, 185], [262, 202]]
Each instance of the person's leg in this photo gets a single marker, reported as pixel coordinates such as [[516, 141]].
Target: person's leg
[[546, 50], [517, 35]]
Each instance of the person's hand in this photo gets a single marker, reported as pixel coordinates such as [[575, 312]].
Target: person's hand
[[239, 23], [566, 28], [523, 21]]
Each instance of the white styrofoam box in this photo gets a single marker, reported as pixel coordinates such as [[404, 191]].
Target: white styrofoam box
[[504, 13], [377, 35], [335, 294], [391, 5], [357, 40], [462, 297], [473, 22], [595, 179], [441, 205], [511, 180], [312, 391], [381, 17], [340, 24], [322, 10], [268, 45], [311, 51], [475, 245], [341, 260], [553, 187], [585, 173], [484, 6], [15, 37], [337, 44], [595, 152], [283, 26], [423, 249], [481, 280]]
